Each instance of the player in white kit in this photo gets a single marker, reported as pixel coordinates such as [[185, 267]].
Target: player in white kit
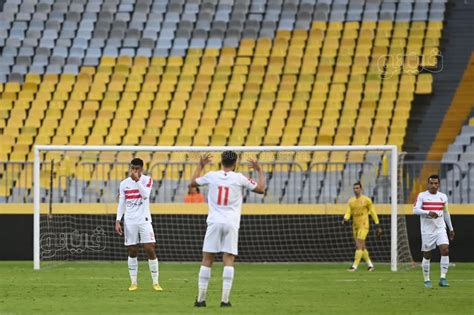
[[432, 207], [134, 202], [223, 221]]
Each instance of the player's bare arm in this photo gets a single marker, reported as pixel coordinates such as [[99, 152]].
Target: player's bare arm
[[261, 184], [118, 228], [451, 235], [203, 161]]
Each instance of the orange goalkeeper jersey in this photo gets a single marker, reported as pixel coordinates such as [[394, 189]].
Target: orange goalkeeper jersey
[[359, 209]]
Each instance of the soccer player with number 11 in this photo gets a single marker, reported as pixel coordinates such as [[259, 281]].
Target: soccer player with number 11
[[225, 203]]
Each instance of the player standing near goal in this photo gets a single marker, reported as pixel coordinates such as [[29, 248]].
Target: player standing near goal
[[432, 207], [223, 220], [134, 202], [359, 207]]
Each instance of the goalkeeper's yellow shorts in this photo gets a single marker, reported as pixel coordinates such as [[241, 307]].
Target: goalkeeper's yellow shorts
[[360, 233]]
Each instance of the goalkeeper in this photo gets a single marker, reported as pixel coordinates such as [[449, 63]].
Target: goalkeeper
[[359, 208]]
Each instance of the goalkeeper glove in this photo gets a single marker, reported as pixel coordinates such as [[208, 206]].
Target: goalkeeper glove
[[378, 232]]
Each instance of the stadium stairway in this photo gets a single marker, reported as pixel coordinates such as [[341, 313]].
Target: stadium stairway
[[456, 116], [428, 112], [462, 152]]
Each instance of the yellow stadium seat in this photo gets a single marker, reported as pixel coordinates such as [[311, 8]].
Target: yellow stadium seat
[[236, 140], [95, 140], [201, 140], [77, 139]]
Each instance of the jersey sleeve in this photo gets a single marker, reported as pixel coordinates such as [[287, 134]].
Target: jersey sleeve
[[347, 215], [247, 182], [121, 205], [204, 180], [417, 206], [372, 212], [447, 216]]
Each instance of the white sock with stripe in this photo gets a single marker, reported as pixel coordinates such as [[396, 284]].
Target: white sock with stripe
[[425, 265], [153, 264], [444, 265], [204, 277], [133, 269], [227, 279]]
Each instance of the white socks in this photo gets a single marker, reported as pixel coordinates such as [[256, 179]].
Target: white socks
[[227, 278], [425, 265], [133, 269], [153, 264], [204, 277], [444, 264]]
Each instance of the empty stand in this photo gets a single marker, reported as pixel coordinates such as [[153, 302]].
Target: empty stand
[[109, 72]]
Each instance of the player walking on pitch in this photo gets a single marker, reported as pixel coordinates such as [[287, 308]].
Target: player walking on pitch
[[134, 202], [223, 220], [359, 207], [432, 207]]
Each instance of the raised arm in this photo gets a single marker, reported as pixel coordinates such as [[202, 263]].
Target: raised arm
[[144, 188], [204, 160], [261, 182]]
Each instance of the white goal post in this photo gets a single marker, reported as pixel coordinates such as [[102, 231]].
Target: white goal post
[[39, 149]]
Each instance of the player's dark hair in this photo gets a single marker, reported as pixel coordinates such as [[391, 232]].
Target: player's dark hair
[[357, 184], [229, 158], [137, 162], [434, 176]]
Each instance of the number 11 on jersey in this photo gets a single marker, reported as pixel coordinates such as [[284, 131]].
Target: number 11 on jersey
[[226, 196]]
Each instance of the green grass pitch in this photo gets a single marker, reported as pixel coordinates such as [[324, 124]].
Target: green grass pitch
[[93, 288]]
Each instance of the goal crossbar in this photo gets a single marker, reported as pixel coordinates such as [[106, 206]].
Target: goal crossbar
[[44, 148]]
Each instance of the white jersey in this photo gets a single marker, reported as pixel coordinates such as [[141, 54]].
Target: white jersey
[[427, 202], [134, 200], [225, 195]]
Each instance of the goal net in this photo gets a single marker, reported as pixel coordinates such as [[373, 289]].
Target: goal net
[[298, 219]]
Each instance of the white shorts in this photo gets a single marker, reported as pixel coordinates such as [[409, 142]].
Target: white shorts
[[139, 233], [430, 241], [221, 238]]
